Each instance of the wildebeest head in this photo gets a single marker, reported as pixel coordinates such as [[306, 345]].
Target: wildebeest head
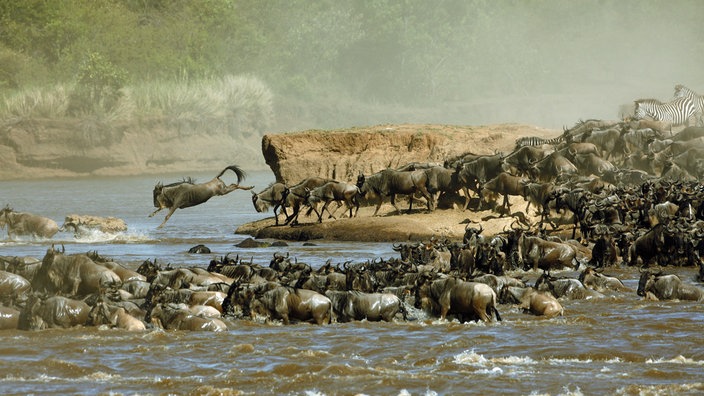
[[4, 214], [149, 269], [647, 278], [260, 205], [471, 233], [360, 180]]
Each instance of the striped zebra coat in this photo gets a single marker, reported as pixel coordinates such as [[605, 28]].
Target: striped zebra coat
[[677, 112], [537, 141], [683, 92]]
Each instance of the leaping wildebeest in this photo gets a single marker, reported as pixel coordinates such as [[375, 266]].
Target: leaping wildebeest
[[186, 193], [27, 224]]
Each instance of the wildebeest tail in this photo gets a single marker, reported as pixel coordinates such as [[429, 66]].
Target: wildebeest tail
[[403, 310], [241, 175], [496, 311]]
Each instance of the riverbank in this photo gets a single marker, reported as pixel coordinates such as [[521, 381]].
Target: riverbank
[[388, 227]]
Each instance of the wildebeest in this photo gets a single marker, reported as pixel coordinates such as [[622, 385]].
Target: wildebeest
[[199, 249], [334, 191], [520, 160], [374, 307], [504, 184], [467, 300], [595, 280], [9, 318], [287, 303], [72, 275], [274, 195], [475, 173], [21, 224], [298, 196], [103, 313], [538, 194], [13, 288], [390, 182], [173, 316], [648, 246], [656, 285], [532, 300], [441, 181], [607, 141], [570, 288], [498, 282], [56, 311], [186, 193], [551, 167], [546, 255], [592, 164], [125, 274]]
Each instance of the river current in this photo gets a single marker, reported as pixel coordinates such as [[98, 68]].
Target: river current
[[617, 345]]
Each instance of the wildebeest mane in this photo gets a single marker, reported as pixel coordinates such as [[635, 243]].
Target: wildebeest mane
[[160, 186], [377, 182]]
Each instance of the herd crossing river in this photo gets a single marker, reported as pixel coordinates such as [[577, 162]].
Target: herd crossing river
[[619, 344]]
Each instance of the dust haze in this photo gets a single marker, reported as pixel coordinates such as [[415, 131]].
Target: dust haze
[[548, 64]]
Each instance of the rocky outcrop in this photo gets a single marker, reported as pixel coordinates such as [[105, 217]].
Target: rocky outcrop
[[343, 154]]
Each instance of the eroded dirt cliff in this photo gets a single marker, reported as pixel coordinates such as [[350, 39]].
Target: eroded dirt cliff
[[343, 154], [75, 148]]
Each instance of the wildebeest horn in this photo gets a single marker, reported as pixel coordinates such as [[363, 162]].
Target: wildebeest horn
[[480, 228], [512, 223]]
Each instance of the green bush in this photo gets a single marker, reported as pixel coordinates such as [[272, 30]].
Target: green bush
[[98, 86]]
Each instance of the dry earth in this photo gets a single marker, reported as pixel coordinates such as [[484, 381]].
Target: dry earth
[[300, 155]]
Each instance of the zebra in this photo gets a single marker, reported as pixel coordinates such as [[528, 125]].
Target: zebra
[[537, 141], [683, 92], [677, 112]]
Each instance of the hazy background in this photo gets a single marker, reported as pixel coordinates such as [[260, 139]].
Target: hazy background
[[329, 64]]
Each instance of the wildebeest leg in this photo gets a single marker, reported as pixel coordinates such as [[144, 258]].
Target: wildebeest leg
[[232, 187], [410, 203], [392, 197], [293, 216], [155, 212], [466, 198], [168, 215], [332, 214], [320, 215], [381, 200], [276, 215]]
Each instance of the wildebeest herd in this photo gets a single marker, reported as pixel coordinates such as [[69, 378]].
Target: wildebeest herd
[[629, 190]]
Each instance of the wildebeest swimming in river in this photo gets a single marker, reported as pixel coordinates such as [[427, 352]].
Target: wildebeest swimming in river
[[18, 223], [186, 193]]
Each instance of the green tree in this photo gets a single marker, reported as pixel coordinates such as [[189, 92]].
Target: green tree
[[97, 87]]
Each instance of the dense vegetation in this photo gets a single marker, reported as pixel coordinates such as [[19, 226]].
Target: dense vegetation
[[126, 58]]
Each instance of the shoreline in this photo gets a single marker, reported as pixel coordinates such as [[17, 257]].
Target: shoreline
[[388, 227]]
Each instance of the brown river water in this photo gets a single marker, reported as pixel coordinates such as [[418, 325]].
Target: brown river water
[[617, 345]]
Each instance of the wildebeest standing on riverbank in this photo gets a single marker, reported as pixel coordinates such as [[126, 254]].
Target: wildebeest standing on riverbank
[[389, 182], [186, 193], [274, 195]]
